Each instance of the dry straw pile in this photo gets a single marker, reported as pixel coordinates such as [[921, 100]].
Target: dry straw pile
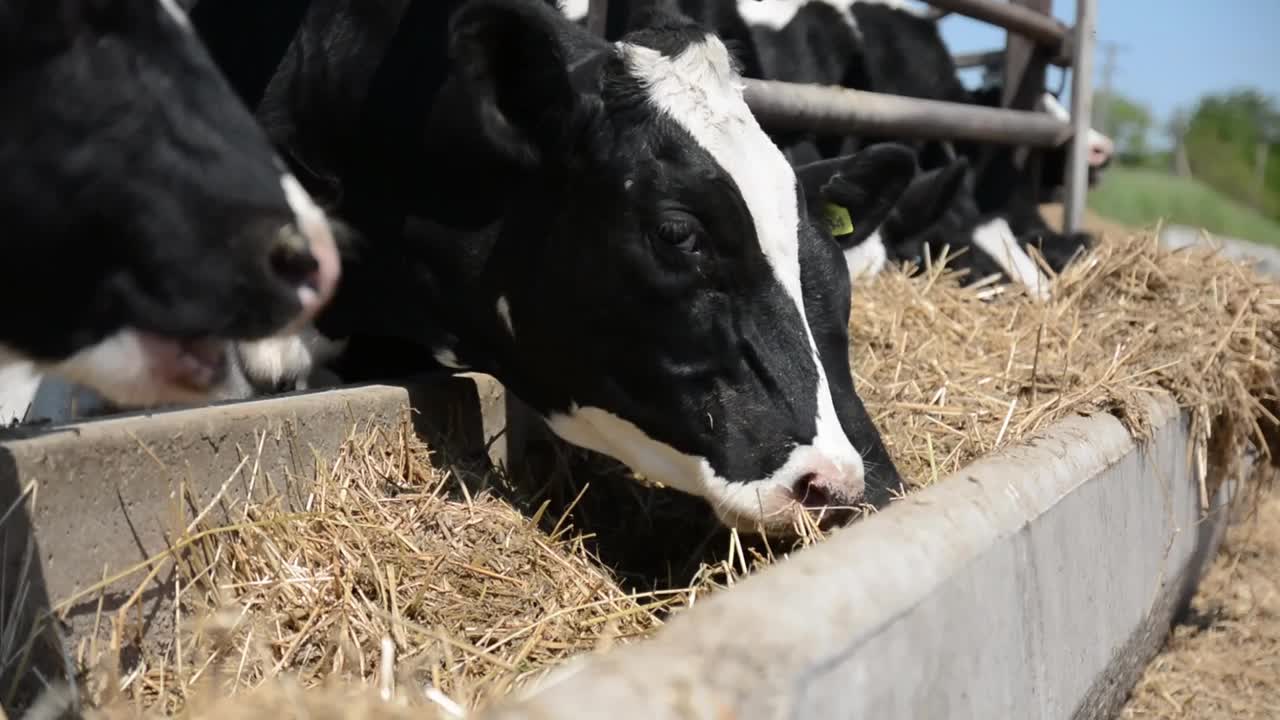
[[443, 596]]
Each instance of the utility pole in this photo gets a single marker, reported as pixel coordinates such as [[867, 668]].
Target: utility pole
[[1179, 123], [1109, 52], [1268, 131]]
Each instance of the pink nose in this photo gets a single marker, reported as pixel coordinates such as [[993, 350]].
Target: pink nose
[[829, 485], [306, 254], [307, 262], [1100, 149]]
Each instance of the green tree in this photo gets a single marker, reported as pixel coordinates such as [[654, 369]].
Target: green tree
[[1232, 144], [1126, 122]]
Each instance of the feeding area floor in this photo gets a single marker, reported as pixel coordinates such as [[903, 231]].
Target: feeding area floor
[[408, 583], [1223, 660]]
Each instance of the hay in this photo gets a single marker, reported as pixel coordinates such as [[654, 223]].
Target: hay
[[951, 375], [401, 580], [393, 575]]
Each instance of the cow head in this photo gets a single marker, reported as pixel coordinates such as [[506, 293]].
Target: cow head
[[146, 218], [1101, 147], [654, 291], [936, 214]]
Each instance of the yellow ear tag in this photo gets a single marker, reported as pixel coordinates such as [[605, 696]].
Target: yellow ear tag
[[837, 219]]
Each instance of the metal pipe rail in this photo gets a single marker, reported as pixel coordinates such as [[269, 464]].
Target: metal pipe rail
[[782, 106], [1077, 174], [996, 57], [1042, 28]]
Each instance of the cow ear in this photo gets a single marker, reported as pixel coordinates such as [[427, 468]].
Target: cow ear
[[514, 70], [930, 194], [864, 189], [813, 176]]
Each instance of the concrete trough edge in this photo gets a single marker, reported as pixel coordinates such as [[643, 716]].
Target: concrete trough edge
[[89, 500], [1035, 583]]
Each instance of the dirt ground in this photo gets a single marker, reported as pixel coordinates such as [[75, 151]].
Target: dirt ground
[[1224, 660], [1092, 221]]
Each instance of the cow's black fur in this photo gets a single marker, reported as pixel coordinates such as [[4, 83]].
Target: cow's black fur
[[137, 193]]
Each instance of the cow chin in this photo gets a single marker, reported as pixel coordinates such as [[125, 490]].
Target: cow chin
[[808, 481], [775, 512]]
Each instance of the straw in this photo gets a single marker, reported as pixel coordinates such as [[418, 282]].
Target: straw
[[413, 578]]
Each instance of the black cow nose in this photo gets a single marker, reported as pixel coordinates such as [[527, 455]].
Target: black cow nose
[[291, 260]]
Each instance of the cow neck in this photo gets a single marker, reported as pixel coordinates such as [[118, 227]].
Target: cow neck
[[394, 113], [584, 72], [248, 39]]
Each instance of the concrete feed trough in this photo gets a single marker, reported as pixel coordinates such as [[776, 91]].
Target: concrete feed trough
[[1036, 583]]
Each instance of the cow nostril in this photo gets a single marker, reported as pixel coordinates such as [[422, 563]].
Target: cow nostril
[[291, 260], [810, 493]]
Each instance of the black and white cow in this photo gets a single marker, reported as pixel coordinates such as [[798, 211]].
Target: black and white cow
[[902, 53], [886, 47], [146, 218], [604, 228]]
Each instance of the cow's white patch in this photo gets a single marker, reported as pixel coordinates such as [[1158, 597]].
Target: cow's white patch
[[504, 312], [698, 90], [314, 226], [575, 10], [900, 5], [996, 239], [448, 358], [867, 258], [19, 383], [120, 369], [271, 361], [308, 214], [777, 14], [1048, 103], [179, 16], [1101, 147], [768, 501], [771, 14]]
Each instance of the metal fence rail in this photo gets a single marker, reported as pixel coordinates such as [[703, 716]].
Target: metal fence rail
[[1035, 40], [840, 111]]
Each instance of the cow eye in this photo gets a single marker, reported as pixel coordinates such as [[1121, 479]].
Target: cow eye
[[685, 236]]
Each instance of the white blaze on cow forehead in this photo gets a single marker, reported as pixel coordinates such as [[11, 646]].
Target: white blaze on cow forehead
[[700, 92], [996, 239], [174, 11], [866, 259]]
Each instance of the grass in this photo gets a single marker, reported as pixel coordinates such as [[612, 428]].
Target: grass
[[1142, 197]]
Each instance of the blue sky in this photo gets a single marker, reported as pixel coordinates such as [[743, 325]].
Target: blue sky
[[1175, 50]]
